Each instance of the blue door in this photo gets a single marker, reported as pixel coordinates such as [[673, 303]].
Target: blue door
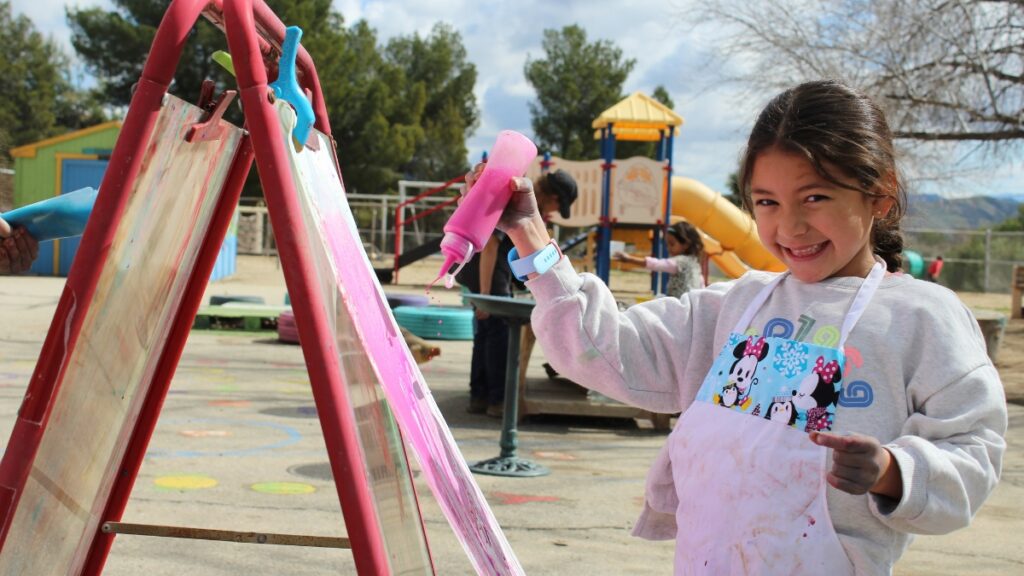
[[76, 174]]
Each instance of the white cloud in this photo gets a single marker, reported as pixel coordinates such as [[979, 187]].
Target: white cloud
[[49, 16], [499, 36]]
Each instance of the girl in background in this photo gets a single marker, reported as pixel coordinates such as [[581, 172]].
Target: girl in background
[[684, 264]]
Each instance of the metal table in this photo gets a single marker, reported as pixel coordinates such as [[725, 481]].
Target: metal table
[[516, 312]]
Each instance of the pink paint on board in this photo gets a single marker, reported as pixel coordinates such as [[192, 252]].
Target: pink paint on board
[[408, 395]]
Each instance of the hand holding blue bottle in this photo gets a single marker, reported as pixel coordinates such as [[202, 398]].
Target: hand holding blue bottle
[[18, 249], [58, 217]]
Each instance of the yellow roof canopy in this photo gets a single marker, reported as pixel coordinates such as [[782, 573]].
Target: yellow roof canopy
[[29, 150], [636, 134], [638, 117]]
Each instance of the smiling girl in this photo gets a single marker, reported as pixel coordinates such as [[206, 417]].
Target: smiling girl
[[828, 412]]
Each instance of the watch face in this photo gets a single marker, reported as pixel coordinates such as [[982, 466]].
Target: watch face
[[539, 262], [547, 258]]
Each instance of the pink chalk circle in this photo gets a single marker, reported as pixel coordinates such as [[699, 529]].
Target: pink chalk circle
[[229, 403], [553, 455]]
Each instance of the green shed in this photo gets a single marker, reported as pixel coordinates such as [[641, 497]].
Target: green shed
[[56, 166]]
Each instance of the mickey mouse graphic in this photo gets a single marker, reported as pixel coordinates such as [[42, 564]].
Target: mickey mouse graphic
[[736, 391], [817, 392]]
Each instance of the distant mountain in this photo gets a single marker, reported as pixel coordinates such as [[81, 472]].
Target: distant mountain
[[933, 211]]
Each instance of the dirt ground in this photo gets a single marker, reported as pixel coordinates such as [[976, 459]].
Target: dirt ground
[[1010, 360], [261, 272]]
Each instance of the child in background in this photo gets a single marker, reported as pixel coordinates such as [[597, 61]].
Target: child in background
[[685, 250], [829, 412], [935, 268]]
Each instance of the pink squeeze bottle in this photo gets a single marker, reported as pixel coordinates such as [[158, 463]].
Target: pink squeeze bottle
[[474, 220]]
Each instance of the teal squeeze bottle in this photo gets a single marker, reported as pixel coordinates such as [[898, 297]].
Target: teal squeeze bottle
[[58, 217]]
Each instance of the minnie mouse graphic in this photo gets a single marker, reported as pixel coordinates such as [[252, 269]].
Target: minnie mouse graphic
[[817, 392]]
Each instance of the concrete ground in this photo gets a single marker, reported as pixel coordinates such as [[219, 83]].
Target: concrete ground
[[238, 447]]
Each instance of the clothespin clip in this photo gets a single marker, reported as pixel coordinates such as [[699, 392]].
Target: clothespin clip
[[287, 85], [211, 127], [224, 59]]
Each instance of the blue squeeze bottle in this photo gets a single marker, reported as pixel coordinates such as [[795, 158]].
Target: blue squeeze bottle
[[58, 217]]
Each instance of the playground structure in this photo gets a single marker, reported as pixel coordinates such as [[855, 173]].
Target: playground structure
[[730, 235], [164, 207], [630, 200], [640, 118]]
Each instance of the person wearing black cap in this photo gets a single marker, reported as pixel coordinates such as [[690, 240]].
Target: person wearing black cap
[[488, 273], [555, 191]]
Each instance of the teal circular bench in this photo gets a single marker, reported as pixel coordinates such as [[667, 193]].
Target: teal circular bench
[[436, 322]]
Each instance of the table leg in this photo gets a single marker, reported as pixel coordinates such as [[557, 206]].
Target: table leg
[[508, 464], [525, 352]]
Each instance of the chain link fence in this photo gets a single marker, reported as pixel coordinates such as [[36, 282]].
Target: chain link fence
[[375, 218], [975, 260]]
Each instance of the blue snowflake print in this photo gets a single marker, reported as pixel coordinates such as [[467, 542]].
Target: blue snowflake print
[[790, 359]]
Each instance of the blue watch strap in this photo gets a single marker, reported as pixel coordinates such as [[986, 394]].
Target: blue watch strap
[[540, 261]]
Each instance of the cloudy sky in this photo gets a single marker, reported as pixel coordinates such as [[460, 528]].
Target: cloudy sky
[[499, 36]]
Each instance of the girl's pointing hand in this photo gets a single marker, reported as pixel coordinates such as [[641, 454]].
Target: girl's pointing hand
[[861, 464]]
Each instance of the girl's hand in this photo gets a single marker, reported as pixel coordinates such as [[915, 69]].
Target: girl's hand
[[623, 257], [521, 220], [861, 464], [522, 208], [18, 249]]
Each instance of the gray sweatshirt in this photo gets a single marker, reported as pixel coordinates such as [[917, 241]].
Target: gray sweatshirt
[[917, 378]]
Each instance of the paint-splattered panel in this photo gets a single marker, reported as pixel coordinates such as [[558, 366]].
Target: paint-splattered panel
[[374, 356], [124, 330], [314, 174]]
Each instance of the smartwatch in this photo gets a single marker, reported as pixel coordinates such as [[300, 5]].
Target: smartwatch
[[539, 262]]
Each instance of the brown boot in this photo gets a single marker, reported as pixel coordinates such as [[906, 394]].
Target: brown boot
[[496, 410]]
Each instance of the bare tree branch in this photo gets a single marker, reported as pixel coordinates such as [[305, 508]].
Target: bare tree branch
[[945, 71], [962, 136]]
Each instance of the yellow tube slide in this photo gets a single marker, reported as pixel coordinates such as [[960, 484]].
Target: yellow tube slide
[[732, 228], [727, 261]]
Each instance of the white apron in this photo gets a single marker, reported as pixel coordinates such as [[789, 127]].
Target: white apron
[[751, 484]]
